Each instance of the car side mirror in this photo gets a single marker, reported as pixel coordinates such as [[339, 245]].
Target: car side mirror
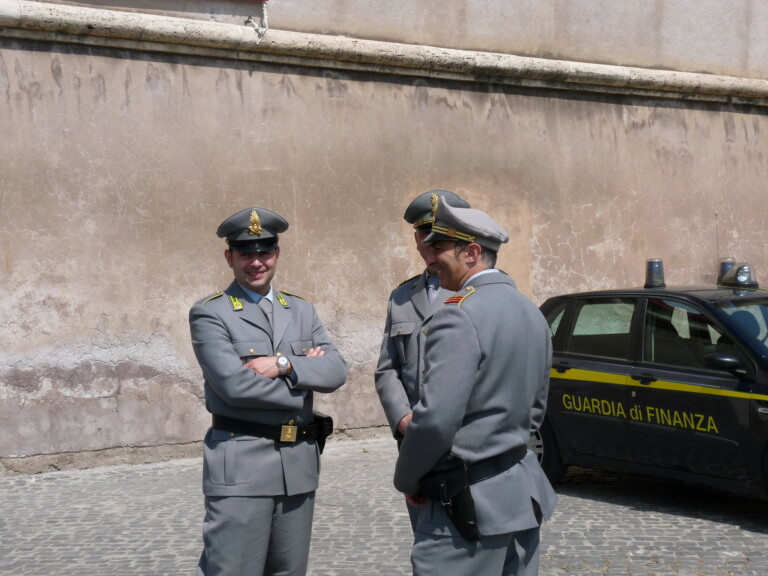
[[726, 362]]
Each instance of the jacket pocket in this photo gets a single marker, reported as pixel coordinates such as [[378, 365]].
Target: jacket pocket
[[248, 349], [301, 347], [234, 459], [400, 333]]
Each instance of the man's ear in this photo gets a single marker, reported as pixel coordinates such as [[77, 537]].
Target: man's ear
[[228, 256], [473, 252]]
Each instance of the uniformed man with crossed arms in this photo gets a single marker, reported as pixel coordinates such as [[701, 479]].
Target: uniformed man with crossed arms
[[401, 360], [263, 353], [464, 458]]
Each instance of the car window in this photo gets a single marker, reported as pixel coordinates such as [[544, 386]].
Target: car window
[[555, 317], [750, 319], [680, 335], [602, 327]]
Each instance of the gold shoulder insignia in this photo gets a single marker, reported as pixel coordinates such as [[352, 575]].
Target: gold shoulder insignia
[[283, 301], [236, 304], [458, 299], [212, 298], [409, 279]]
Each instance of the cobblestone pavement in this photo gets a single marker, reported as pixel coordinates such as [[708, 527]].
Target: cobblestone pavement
[[146, 520]]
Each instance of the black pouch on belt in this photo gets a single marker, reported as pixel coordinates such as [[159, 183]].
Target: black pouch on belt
[[452, 488], [324, 425], [460, 508]]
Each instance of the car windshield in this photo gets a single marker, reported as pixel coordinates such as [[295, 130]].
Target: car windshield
[[749, 318]]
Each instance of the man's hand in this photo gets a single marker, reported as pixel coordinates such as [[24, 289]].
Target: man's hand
[[416, 500], [267, 365], [402, 426], [264, 365]]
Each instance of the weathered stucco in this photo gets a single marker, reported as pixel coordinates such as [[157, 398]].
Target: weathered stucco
[[708, 36], [116, 166]]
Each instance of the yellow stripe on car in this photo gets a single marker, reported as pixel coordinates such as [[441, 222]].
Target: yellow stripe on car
[[625, 380]]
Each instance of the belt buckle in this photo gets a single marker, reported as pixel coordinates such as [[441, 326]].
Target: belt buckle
[[288, 432]]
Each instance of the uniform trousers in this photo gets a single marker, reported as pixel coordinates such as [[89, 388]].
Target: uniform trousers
[[413, 515], [257, 536], [445, 552], [413, 511]]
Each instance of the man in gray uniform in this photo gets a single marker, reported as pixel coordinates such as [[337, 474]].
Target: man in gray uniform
[[263, 353], [464, 458], [402, 350]]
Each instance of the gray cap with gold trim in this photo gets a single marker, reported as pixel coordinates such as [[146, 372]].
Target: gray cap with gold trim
[[252, 230], [421, 212], [466, 225]]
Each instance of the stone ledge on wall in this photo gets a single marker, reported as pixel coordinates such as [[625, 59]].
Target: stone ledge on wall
[[42, 463], [131, 455], [22, 19]]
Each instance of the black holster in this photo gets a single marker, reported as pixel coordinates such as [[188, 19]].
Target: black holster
[[452, 488], [460, 508], [324, 428]]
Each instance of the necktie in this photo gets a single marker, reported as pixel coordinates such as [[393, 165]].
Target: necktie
[[266, 307], [432, 284]]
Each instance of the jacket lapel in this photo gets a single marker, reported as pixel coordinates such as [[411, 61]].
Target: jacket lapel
[[250, 312], [281, 318]]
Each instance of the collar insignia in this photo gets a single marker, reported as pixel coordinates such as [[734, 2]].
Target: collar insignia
[[459, 298], [236, 304]]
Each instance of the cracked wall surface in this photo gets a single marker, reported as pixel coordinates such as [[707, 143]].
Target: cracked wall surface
[[116, 168]]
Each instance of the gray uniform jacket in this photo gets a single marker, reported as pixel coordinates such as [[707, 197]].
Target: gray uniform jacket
[[401, 360], [488, 355], [228, 329]]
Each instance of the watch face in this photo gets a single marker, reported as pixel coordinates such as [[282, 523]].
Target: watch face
[[283, 361]]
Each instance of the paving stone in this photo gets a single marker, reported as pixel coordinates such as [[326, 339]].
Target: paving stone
[[147, 520]]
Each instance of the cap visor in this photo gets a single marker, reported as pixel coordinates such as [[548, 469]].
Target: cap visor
[[435, 237], [254, 246]]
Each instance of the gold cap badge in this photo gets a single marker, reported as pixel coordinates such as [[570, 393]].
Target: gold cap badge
[[255, 228], [434, 206]]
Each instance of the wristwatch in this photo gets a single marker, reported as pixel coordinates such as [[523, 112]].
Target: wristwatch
[[283, 365]]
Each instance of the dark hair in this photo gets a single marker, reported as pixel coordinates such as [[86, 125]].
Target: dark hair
[[487, 256]]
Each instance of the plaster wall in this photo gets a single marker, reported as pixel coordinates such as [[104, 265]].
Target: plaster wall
[[709, 36], [117, 166]]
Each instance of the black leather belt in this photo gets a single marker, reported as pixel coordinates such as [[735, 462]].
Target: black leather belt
[[439, 483], [285, 433]]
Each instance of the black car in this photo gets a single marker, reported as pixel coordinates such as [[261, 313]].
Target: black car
[[669, 382]]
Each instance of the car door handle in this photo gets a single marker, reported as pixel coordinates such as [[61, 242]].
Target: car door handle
[[562, 367], [644, 378]]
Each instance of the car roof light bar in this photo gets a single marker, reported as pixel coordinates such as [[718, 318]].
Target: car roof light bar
[[725, 266], [740, 275], [654, 273]]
